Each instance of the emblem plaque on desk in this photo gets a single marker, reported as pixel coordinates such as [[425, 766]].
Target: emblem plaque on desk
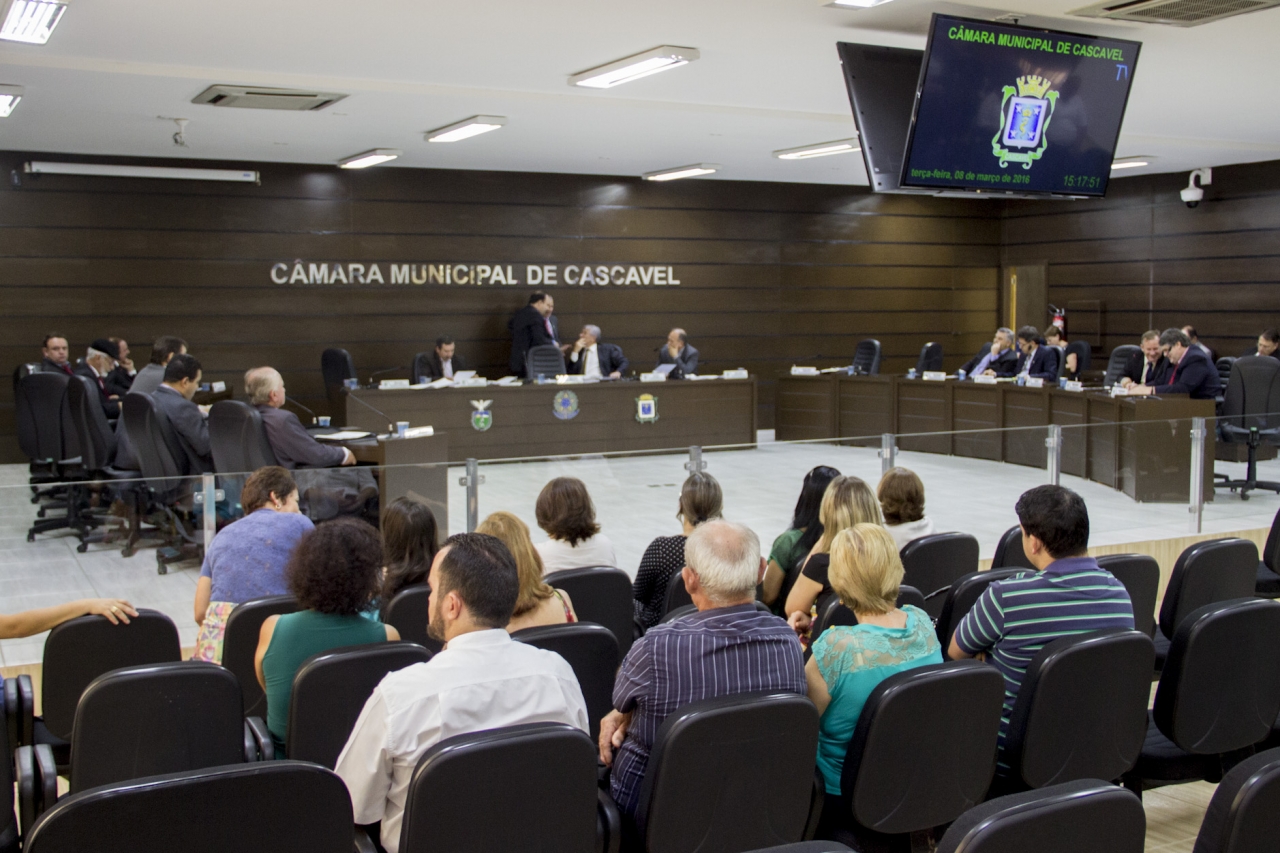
[[646, 408], [481, 418], [565, 405]]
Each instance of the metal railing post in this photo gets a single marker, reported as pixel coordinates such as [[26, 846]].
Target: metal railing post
[[210, 511], [1053, 448], [695, 464], [472, 481], [1196, 509], [888, 453]]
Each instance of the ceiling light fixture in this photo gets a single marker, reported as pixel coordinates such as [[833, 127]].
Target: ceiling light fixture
[[1131, 162], [465, 129], [661, 58], [692, 171], [375, 157], [30, 21], [111, 170], [9, 97], [857, 4], [822, 149]]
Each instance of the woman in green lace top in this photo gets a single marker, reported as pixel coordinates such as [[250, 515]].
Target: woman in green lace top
[[850, 660]]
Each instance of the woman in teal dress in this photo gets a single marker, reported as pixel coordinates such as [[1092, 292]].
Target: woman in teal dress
[[850, 660], [335, 573]]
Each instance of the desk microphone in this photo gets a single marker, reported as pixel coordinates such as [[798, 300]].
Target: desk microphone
[[391, 427], [380, 372], [300, 406]]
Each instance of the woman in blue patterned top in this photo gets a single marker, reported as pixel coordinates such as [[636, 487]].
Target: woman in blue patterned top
[[850, 660]]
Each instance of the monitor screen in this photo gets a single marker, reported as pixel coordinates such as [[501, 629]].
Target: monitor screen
[[1008, 109], [882, 87]]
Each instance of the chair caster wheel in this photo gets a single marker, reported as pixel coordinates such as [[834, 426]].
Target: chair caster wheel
[[162, 569], [40, 513], [82, 547], [31, 536], [1243, 496]]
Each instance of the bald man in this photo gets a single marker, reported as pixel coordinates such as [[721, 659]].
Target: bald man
[[293, 445]]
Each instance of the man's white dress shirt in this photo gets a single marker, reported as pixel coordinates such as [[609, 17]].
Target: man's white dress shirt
[[446, 367], [482, 680], [591, 363]]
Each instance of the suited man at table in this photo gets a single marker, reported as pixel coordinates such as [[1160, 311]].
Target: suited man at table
[[595, 360], [678, 351], [1148, 367], [1193, 373], [99, 361], [442, 362], [530, 327], [57, 354], [289, 439], [997, 358], [1036, 360]]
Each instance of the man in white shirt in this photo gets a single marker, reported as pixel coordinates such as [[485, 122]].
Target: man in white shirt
[[482, 680], [595, 360]]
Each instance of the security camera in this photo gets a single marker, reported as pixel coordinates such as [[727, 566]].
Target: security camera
[[1193, 194]]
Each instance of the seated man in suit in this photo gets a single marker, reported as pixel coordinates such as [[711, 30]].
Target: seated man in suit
[[532, 326], [1194, 337], [678, 351], [1268, 344], [99, 361], [593, 359], [289, 440], [1148, 367], [443, 361], [1192, 374], [173, 398], [997, 358], [57, 353], [1037, 361], [150, 377], [120, 379]]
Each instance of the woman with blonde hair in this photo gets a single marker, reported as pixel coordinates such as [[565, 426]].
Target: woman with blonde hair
[[850, 660], [537, 603], [847, 501]]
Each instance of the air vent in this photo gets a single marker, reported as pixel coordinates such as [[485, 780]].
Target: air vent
[[1175, 13], [261, 98]]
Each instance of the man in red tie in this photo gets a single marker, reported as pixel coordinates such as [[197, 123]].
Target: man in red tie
[[99, 361], [1193, 373], [56, 353]]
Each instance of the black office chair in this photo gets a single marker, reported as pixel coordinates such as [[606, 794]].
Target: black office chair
[[238, 439], [923, 753], [530, 787], [752, 750], [1251, 415], [832, 612], [240, 642], [1140, 575], [960, 598], [592, 651], [866, 358], [1088, 814], [1084, 358], [47, 437], [1009, 553], [546, 360], [97, 445], [601, 595], [1206, 572], [1081, 711], [933, 563], [329, 692], [264, 807], [336, 367], [677, 595], [1115, 365], [169, 491], [806, 847], [408, 612], [1244, 814], [418, 370], [1268, 582], [9, 827], [1223, 366], [930, 358]]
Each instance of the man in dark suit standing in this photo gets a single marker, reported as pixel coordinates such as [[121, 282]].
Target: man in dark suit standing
[[530, 327], [1148, 367], [289, 439], [173, 399], [595, 360], [442, 362], [97, 366], [678, 351], [1193, 373], [997, 358], [1036, 360], [57, 353]]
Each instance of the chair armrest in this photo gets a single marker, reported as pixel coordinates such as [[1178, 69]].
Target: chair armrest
[[24, 760], [250, 743], [816, 801], [27, 711], [262, 738], [12, 711], [942, 591], [47, 768], [363, 843], [608, 823]]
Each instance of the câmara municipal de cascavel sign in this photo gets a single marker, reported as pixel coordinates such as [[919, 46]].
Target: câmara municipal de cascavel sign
[[455, 274]]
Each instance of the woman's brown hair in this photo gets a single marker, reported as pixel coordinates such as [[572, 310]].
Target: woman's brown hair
[[564, 510], [262, 484], [701, 499], [901, 496], [409, 544], [337, 568], [515, 535]]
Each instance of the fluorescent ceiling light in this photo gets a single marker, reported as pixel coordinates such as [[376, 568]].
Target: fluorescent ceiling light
[[466, 128], [42, 167], [662, 58], [31, 21], [857, 4], [822, 149], [1131, 162], [9, 97], [370, 158], [693, 171]]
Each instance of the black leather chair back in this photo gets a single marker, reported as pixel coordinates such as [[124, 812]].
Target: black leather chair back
[[1115, 365], [1271, 551], [329, 692], [93, 434], [160, 458], [336, 366], [924, 750], [866, 357], [1140, 575], [45, 430], [418, 370], [159, 718], [240, 641], [937, 561], [1252, 397], [1089, 814], [1220, 687], [677, 595], [1214, 570], [1009, 553], [1081, 712], [546, 360], [930, 357], [959, 600], [754, 751], [831, 612], [238, 439], [1244, 814], [530, 787], [408, 612], [601, 595], [264, 807], [1083, 353], [79, 650], [1224, 368], [592, 651]]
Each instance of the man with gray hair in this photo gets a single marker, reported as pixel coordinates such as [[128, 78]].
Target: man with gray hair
[[727, 647], [99, 360], [289, 440], [593, 359], [997, 358]]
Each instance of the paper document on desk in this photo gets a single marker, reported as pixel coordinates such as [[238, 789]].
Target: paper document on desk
[[507, 381], [419, 432], [443, 382], [345, 435]]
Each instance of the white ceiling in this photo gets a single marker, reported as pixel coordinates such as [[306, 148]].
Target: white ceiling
[[768, 78]]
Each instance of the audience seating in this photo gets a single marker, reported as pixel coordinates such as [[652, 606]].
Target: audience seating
[[265, 807], [1251, 414], [530, 787], [677, 595], [1244, 814], [1009, 553], [1081, 712], [155, 445], [923, 752], [240, 642], [832, 612], [1116, 364], [9, 841], [1268, 579], [930, 358], [1219, 694], [545, 360], [1140, 575], [592, 651], [336, 367], [1206, 572], [731, 773], [866, 358], [329, 692], [408, 612], [602, 595], [960, 598], [238, 439], [1083, 353], [1084, 815], [806, 847], [933, 563]]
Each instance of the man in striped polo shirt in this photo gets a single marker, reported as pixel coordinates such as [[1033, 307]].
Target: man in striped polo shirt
[[1069, 593]]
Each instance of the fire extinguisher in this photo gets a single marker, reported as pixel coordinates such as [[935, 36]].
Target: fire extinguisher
[[1059, 317]]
